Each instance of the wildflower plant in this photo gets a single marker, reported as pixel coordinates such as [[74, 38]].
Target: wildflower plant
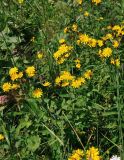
[[62, 80]]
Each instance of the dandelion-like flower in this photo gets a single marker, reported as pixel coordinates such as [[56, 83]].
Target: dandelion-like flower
[[37, 93], [77, 155], [30, 71], [93, 154], [6, 87]]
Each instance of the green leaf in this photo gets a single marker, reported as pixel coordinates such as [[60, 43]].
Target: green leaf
[[33, 143]]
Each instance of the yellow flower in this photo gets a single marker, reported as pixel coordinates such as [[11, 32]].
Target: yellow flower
[[117, 62], [112, 61], [107, 36], [93, 154], [61, 41], [30, 71], [79, 1], [78, 82], [20, 74], [76, 155], [78, 65], [20, 1], [115, 44], [92, 42], [1, 137], [100, 43], [65, 29], [88, 74], [84, 38], [39, 55], [13, 71], [86, 14], [15, 86], [74, 27], [37, 93], [6, 87], [107, 52], [64, 84], [96, 1], [46, 84]]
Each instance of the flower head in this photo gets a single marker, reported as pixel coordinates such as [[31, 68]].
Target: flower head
[[37, 93], [93, 154], [30, 71], [6, 87], [1, 137]]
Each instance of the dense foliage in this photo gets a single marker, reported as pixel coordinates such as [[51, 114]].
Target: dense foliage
[[61, 79]]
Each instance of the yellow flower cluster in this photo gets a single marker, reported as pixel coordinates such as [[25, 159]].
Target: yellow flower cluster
[[118, 29], [108, 36], [93, 154], [62, 53], [92, 42], [8, 86], [96, 1], [37, 93], [76, 83], [14, 74], [66, 79], [1, 137], [115, 62], [30, 71], [77, 155], [105, 53]]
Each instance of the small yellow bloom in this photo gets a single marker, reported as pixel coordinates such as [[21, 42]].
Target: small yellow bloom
[[46, 84], [61, 41], [65, 29], [15, 86], [20, 1], [6, 87], [37, 93], [74, 27], [39, 55], [77, 155], [96, 1], [1, 137], [115, 44], [20, 74], [117, 62], [13, 70], [78, 65], [30, 71], [86, 14], [93, 154], [88, 74], [64, 84], [79, 1], [100, 43]]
